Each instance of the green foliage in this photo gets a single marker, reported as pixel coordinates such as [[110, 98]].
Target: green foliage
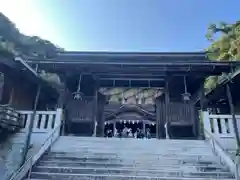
[[15, 43], [51, 77], [227, 45], [11, 40], [224, 47], [210, 83]]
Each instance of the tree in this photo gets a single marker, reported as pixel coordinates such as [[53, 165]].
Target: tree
[[225, 47], [14, 43]]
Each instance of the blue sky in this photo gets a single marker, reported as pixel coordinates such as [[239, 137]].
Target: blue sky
[[121, 25]]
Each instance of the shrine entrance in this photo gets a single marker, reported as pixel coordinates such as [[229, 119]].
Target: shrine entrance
[[179, 75], [80, 114], [79, 109], [117, 127]]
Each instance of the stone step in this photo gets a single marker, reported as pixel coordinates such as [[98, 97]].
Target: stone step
[[139, 142], [132, 145], [100, 139], [150, 165], [126, 155], [138, 168], [75, 158], [137, 162], [152, 149], [93, 177], [136, 158], [129, 149], [132, 172], [107, 176]]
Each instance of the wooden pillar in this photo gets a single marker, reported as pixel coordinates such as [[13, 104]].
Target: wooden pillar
[[202, 97], [158, 118], [11, 98], [144, 127], [167, 102], [1, 85], [102, 127], [95, 123], [114, 128], [30, 128], [62, 92], [61, 103], [6, 89], [199, 122], [100, 112], [235, 124]]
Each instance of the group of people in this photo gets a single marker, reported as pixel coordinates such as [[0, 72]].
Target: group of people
[[128, 133]]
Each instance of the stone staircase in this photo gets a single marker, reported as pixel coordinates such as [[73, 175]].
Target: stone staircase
[[82, 158]]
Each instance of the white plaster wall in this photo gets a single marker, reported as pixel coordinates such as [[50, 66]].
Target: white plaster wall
[[132, 95]]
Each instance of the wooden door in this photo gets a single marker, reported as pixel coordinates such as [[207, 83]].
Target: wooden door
[[180, 113], [80, 116]]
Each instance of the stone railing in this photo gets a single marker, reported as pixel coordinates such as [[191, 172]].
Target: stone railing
[[220, 126], [44, 123], [219, 131], [27, 166], [46, 129]]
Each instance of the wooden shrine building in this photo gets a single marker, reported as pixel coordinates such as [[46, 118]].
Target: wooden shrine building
[[18, 85], [18, 89], [178, 77], [216, 100]]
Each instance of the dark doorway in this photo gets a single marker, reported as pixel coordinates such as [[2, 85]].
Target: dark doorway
[[181, 132], [80, 129]]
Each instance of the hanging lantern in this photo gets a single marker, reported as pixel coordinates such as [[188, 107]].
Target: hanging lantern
[[124, 122], [129, 121], [78, 95], [105, 123], [133, 122], [186, 96]]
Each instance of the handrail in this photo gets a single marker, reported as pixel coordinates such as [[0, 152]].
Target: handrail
[[22, 171], [213, 138], [219, 151]]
